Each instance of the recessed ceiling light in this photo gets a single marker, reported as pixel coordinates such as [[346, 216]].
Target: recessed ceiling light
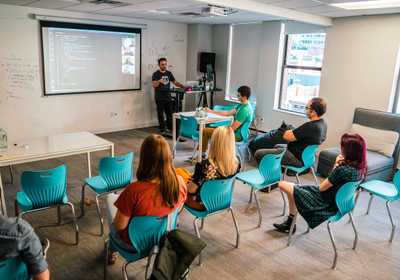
[[364, 5], [159, 12]]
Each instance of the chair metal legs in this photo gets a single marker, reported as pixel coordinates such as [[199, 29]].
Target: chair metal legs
[[99, 215], [106, 248], [391, 221], [333, 245], [284, 203], [83, 202], [315, 176], [11, 174], [258, 207], [355, 231], [369, 203], [75, 223], [236, 227], [196, 229], [124, 271], [202, 224], [251, 196], [298, 179], [291, 230]]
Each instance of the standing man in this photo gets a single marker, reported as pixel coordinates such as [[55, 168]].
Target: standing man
[[161, 81]]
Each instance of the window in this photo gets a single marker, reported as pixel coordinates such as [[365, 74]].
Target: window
[[301, 71]]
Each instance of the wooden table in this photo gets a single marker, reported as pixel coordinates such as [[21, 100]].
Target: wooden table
[[49, 147], [211, 118]]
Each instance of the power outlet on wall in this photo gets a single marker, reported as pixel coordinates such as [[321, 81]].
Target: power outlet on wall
[[113, 114]]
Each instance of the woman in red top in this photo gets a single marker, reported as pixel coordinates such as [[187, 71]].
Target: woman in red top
[[157, 192]]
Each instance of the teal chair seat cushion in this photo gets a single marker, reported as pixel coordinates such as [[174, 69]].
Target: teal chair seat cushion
[[97, 184], [252, 177], [336, 218], [128, 255], [196, 213], [296, 169], [382, 189], [25, 204]]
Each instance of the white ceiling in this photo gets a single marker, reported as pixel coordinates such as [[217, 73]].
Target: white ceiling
[[169, 10], [322, 7]]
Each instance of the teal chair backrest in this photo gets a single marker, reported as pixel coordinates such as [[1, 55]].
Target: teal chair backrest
[[396, 182], [13, 269], [188, 127], [146, 231], [45, 188], [308, 155], [270, 168], [345, 197], [116, 171], [217, 194]]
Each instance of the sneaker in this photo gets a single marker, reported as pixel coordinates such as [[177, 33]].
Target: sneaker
[[285, 226]]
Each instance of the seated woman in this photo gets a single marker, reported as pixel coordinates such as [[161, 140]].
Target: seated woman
[[318, 203], [221, 163], [157, 192]]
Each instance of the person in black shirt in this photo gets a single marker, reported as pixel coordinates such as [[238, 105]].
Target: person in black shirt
[[161, 81], [309, 133]]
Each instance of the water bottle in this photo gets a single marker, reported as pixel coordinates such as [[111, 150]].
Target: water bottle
[[3, 139]]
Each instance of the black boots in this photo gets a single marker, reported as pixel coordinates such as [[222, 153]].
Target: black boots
[[285, 226]]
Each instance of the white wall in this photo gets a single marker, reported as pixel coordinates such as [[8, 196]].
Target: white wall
[[25, 113], [199, 40], [358, 70], [245, 56], [220, 41]]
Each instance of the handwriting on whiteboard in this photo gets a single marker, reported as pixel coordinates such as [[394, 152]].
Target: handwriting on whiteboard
[[18, 75]]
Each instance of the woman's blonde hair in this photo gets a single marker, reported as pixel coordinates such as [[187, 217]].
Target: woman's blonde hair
[[222, 151], [156, 164]]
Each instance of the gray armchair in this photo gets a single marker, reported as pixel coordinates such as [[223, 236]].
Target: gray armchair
[[379, 166]]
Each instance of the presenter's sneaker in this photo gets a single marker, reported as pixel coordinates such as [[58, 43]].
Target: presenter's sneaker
[[285, 226]]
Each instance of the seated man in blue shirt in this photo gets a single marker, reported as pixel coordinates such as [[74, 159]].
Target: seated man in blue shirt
[[18, 239]]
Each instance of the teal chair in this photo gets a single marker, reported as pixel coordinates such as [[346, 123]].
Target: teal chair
[[14, 269], [243, 146], [216, 196], [268, 173], [345, 200], [145, 234], [115, 173], [42, 190], [308, 157], [221, 108], [387, 191], [188, 129]]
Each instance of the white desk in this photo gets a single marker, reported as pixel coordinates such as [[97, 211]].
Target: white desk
[[211, 118], [52, 147]]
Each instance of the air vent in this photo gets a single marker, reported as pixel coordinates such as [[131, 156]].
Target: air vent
[[190, 14]]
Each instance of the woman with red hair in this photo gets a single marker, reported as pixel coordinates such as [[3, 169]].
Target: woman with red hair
[[317, 203]]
